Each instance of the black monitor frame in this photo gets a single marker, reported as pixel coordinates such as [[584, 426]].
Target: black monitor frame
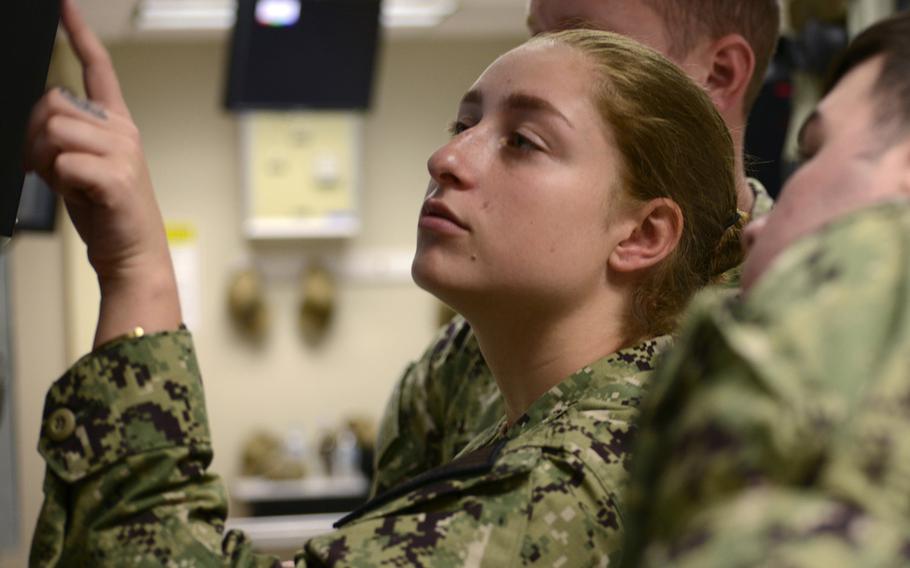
[[28, 30], [325, 61]]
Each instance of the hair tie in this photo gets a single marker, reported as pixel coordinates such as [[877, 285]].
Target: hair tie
[[733, 220]]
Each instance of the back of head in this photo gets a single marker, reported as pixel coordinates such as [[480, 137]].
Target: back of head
[[758, 21], [889, 39], [674, 145]]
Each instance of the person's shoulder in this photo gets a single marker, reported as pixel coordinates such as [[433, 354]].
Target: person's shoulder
[[830, 309], [451, 353], [510, 496], [859, 254], [605, 395], [592, 434]]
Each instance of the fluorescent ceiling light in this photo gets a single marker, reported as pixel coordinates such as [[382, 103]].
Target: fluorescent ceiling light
[[416, 13], [215, 15], [185, 15]]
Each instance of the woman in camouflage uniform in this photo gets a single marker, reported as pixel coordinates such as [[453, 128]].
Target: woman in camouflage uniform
[[587, 192]]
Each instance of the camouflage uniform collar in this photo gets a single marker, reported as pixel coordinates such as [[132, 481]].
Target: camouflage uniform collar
[[587, 383], [763, 202]]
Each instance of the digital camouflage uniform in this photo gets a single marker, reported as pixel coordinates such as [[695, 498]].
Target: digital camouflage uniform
[[448, 396], [778, 432], [127, 446]]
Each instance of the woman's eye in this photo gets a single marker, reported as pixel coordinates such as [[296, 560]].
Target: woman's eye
[[520, 142], [457, 127]]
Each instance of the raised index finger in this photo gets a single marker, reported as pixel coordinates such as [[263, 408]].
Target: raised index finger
[[101, 82]]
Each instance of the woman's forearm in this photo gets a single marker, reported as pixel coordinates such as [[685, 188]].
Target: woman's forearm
[[147, 299]]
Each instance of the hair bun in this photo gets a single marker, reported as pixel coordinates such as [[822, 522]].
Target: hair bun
[[729, 253]]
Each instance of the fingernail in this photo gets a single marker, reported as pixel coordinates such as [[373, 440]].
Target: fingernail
[[83, 104]]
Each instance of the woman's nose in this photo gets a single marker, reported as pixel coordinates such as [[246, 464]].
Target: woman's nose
[[752, 232], [454, 165]]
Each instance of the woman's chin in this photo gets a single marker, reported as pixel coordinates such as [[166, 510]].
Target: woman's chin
[[438, 283], [427, 278]]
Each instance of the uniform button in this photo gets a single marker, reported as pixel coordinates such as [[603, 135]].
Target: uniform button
[[61, 424]]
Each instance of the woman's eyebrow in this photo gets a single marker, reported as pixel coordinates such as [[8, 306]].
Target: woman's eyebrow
[[472, 97], [526, 102], [520, 102]]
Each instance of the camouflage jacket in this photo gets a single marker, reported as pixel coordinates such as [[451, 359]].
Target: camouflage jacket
[[127, 446], [448, 396], [778, 432]]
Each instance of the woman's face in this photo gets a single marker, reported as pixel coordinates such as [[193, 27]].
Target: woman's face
[[520, 206]]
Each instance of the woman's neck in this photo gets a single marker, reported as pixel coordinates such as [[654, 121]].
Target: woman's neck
[[531, 352]]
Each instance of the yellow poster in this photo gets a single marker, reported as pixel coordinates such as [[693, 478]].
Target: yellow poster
[[302, 174]]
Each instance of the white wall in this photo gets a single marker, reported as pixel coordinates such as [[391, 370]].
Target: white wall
[[174, 93]]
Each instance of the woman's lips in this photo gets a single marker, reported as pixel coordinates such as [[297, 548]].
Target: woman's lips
[[436, 216]]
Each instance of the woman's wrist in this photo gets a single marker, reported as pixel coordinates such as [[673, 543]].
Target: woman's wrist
[[146, 299]]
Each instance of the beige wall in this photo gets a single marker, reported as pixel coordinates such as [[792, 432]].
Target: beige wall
[[174, 93], [36, 270]]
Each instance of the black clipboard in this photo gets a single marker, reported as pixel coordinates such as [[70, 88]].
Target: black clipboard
[[28, 29]]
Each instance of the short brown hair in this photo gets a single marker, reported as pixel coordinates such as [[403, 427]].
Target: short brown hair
[[891, 39], [673, 144], [758, 21]]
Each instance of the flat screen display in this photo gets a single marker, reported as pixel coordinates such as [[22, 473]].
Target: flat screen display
[[303, 54], [27, 32]]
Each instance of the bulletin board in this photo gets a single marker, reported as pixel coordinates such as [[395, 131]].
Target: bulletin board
[[301, 174]]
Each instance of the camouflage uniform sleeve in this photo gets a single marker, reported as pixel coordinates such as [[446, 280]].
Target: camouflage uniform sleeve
[[778, 431], [126, 441]]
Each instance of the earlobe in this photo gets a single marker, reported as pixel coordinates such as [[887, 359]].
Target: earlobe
[[730, 73], [655, 237]]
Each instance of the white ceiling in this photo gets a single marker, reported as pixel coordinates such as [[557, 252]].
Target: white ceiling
[[113, 20]]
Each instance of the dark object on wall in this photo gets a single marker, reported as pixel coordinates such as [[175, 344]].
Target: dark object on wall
[[303, 54], [769, 122], [27, 32]]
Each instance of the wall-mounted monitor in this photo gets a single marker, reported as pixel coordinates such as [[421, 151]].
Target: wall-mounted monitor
[[303, 54]]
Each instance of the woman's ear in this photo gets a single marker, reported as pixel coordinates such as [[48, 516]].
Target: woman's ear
[[732, 64], [656, 236]]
